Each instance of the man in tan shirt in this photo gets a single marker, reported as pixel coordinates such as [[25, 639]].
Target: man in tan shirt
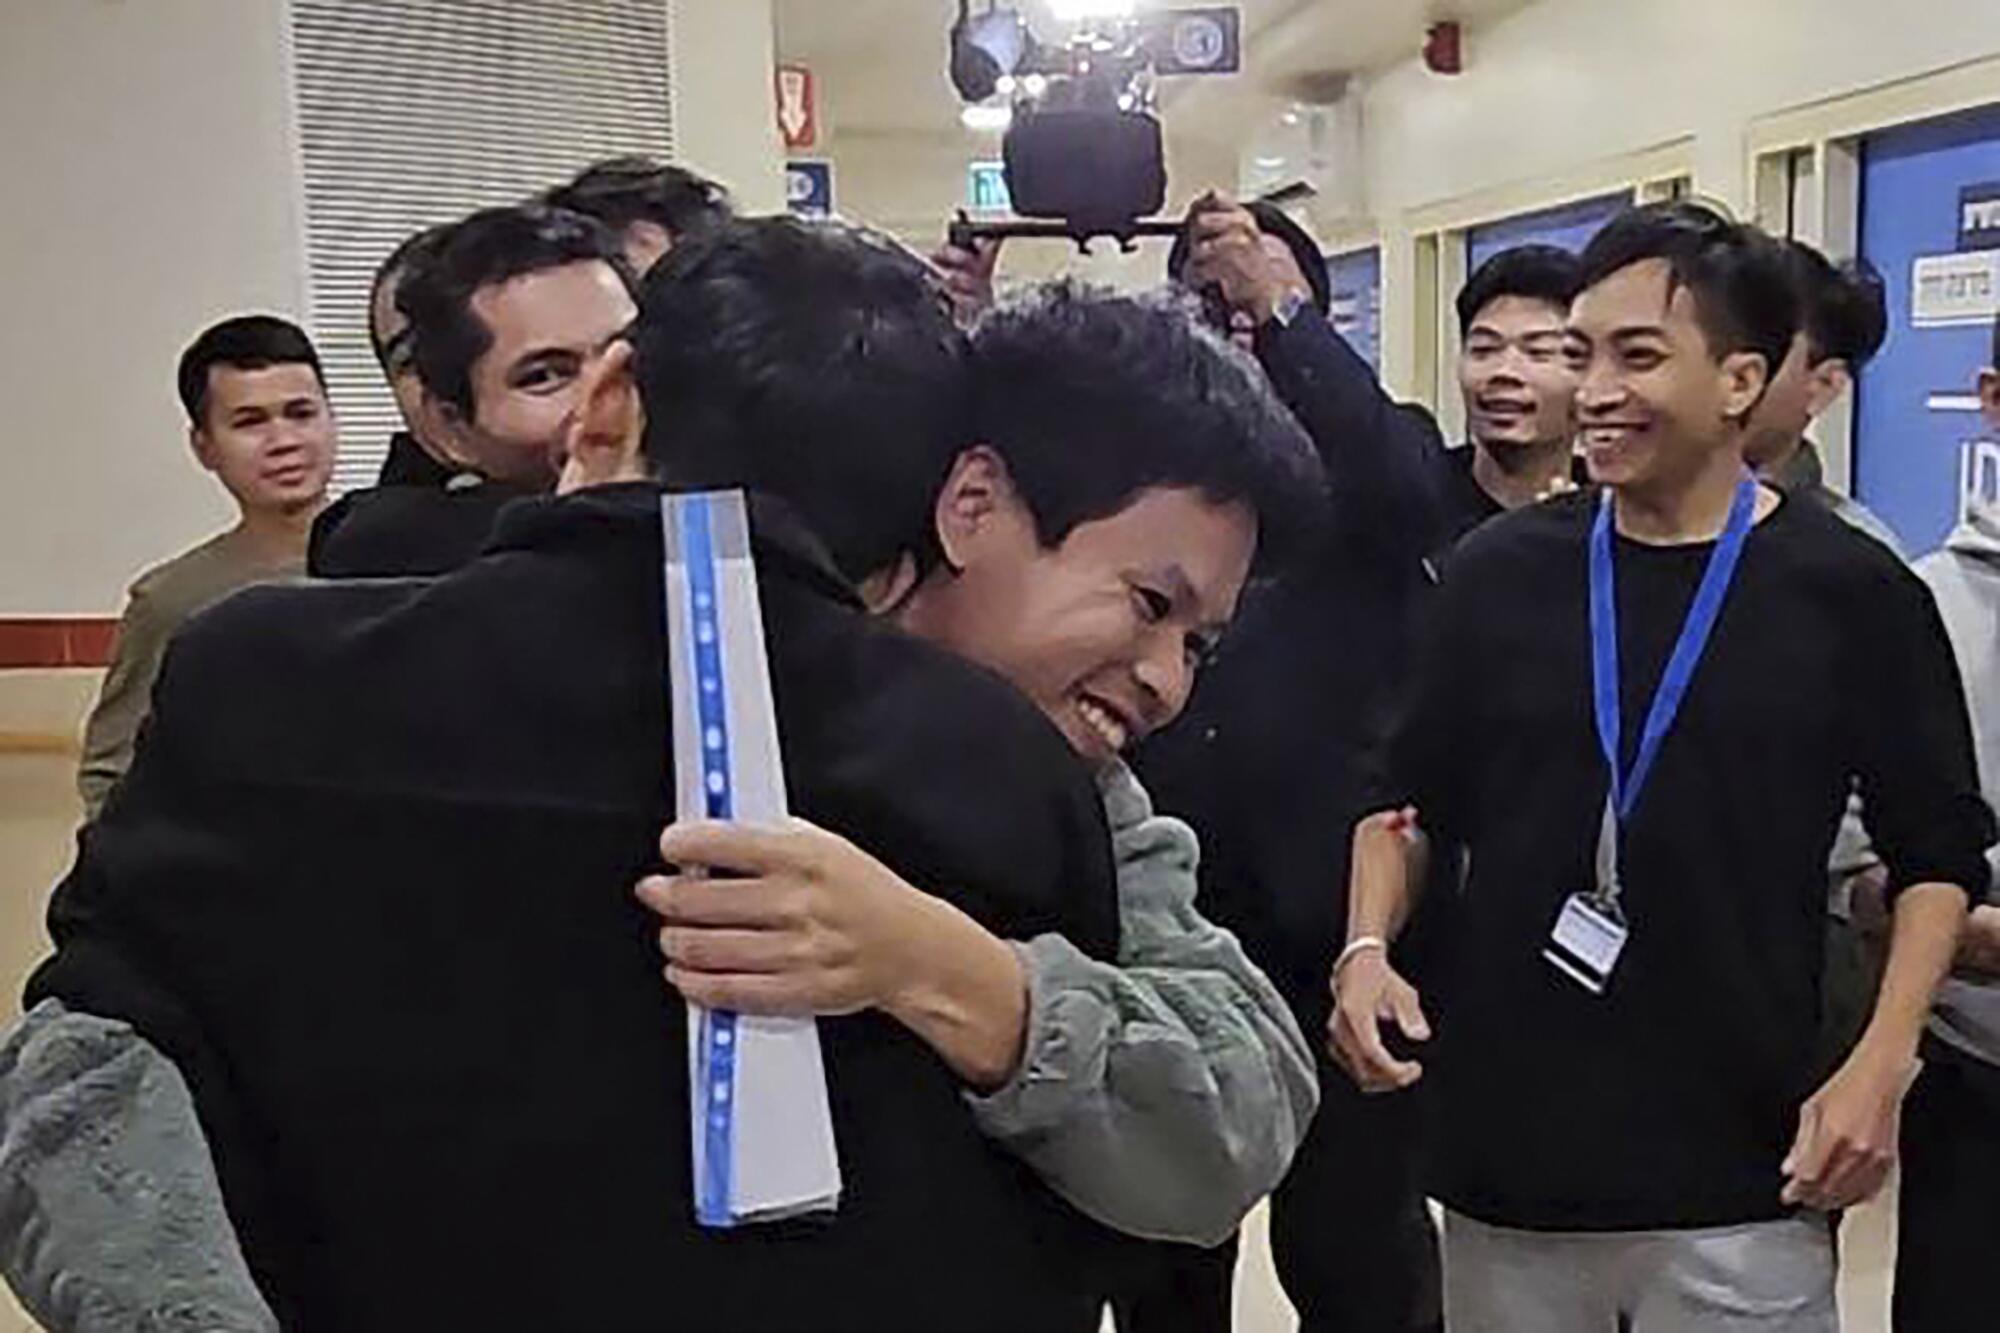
[[260, 421]]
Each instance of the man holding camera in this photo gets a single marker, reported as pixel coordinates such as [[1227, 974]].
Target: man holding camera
[[1267, 767]]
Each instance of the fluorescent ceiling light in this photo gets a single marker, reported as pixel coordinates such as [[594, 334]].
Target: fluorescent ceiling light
[[987, 119]]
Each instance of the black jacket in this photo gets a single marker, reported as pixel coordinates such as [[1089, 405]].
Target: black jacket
[[370, 884], [417, 519], [1270, 762]]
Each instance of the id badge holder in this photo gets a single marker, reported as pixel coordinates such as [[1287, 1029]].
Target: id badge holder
[[1589, 935], [1590, 931]]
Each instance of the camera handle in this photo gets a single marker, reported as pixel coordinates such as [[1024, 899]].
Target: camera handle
[[964, 231]]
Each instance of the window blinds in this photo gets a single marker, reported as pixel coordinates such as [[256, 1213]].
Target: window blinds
[[414, 112]]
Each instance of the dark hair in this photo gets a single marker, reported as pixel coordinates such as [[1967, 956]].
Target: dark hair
[[1272, 221], [1093, 397], [817, 361], [1743, 293], [410, 254], [247, 342], [1545, 273], [620, 191], [490, 247], [1996, 345], [1844, 310]]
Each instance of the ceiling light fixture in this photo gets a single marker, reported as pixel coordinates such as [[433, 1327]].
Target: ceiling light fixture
[[987, 119], [1075, 11]]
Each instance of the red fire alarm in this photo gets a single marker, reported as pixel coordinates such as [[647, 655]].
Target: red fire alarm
[[1444, 48]]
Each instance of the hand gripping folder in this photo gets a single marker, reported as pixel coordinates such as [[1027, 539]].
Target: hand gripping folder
[[761, 1126]]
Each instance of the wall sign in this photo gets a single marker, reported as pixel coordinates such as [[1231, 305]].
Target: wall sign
[[809, 188], [1955, 289], [986, 188], [1979, 217], [1205, 40], [798, 107]]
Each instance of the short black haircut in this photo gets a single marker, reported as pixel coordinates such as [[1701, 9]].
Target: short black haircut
[[489, 247], [815, 360], [620, 191], [1744, 297], [246, 342], [1843, 311], [410, 254], [1272, 221], [1093, 397], [1545, 273]]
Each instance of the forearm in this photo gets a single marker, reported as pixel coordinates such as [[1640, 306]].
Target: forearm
[[1927, 919], [968, 996], [1979, 945], [1388, 868], [113, 1215]]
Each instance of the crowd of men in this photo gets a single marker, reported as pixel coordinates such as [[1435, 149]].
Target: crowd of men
[[1603, 796]]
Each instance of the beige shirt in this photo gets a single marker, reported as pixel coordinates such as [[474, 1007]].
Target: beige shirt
[[162, 598]]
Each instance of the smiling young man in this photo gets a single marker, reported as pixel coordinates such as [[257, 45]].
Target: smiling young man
[[498, 314], [258, 418], [1517, 370], [1089, 551], [1639, 715]]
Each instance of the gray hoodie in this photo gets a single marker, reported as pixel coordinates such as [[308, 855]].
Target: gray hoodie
[[1965, 579]]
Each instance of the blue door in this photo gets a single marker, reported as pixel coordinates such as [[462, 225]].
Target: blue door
[[1912, 416], [1570, 226], [1357, 301]]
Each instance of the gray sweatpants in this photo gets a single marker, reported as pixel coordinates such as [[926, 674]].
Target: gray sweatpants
[[1764, 1277]]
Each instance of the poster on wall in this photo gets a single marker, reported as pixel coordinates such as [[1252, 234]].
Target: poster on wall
[[1979, 217], [1950, 290]]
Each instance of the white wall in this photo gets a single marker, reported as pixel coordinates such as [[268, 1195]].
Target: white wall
[[726, 122], [149, 191], [150, 188], [1566, 82]]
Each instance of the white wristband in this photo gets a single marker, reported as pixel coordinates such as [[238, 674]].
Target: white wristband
[[1360, 944]]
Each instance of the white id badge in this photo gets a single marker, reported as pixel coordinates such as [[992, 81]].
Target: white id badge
[[1586, 942]]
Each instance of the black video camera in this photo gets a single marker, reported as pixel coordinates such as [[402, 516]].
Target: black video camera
[[1084, 152]]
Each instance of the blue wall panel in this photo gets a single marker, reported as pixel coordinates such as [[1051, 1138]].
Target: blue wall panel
[[1570, 226], [1357, 301], [1906, 454]]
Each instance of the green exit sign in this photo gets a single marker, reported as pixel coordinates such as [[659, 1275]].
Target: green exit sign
[[986, 188]]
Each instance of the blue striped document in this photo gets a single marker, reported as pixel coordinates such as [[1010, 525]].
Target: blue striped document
[[760, 1122]]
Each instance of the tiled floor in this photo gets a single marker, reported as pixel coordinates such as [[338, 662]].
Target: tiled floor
[[38, 813]]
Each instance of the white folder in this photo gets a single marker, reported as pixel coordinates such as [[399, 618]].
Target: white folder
[[759, 1117]]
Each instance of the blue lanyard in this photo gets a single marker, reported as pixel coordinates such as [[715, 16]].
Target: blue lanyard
[[717, 1064], [1688, 649]]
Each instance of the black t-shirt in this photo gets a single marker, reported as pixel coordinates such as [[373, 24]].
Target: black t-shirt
[[1463, 503], [1669, 1101]]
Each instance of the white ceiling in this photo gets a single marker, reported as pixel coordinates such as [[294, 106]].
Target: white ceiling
[[880, 64]]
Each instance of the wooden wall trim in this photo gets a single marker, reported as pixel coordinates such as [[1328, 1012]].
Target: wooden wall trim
[[41, 642]]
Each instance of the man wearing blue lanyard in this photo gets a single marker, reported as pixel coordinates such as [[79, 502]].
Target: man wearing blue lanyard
[[1638, 714]]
